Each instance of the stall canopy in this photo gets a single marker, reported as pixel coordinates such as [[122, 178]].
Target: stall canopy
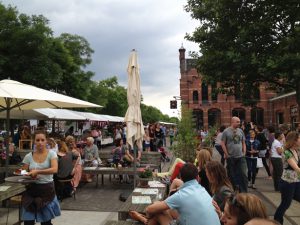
[[60, 114]]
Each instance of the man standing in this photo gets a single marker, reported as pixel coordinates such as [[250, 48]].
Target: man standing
[[191, 203], [234, 147], [164, 130]]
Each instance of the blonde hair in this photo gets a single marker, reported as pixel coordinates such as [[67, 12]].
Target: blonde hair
[[70, 141], [246, 206], [90, 139], [203, 157], [291, 139], [51, 142], [63, 147]]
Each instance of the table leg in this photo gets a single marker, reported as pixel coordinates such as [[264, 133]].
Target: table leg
[[97, 181]]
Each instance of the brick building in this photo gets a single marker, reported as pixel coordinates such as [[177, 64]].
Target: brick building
[[210, 109], [285, 109]]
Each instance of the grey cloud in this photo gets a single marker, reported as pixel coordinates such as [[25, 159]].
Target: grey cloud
[[113, 27]]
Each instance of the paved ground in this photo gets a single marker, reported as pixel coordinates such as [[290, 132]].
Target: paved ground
[[94, 206]]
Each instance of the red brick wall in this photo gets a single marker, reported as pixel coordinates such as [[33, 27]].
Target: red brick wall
[[191, 81]]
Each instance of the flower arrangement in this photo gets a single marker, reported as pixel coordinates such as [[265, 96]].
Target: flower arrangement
[[146, 173]]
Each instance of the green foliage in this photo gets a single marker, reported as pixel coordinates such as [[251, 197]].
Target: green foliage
[[187, 141], [29, 53], [245, 43], [210, 137], [147, 173], [110, 95]]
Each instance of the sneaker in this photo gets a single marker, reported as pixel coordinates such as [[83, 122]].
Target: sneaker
[[253, 186], [249, 185]]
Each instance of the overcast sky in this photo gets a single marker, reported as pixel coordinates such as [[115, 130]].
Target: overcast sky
[[155, 28]]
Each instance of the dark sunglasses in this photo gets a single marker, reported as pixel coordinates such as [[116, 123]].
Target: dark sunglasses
[[232, 200]]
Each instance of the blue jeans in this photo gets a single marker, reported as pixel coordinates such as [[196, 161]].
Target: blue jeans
[[237, 173], [289, 191], [251, 164]]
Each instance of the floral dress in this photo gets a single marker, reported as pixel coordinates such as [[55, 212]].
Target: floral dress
[[289, 175]]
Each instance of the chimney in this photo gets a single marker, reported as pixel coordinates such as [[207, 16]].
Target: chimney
[[182, 59]]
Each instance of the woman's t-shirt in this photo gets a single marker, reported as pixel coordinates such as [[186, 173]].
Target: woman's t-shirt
[[289, 175], [276, 144], [41, 178]]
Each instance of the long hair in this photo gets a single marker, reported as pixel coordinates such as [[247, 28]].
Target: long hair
[[291, 139], [63, 147], [218, 172], [203, 157], [246, 206]]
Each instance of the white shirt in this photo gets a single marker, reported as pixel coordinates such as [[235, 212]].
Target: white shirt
[[219, 138], [276, 144]]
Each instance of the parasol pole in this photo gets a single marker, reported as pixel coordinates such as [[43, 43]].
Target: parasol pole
[[8, 103]]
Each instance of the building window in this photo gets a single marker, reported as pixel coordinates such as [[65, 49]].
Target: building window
[[240, 113], [204, 91], [237, 93], [198, 118], [256, 93], [195, 97], [214, 92], [257, 116], [214, 117], [280, 117]]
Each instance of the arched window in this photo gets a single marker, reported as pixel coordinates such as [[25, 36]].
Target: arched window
[[256, 94], [195, 97], [214, 117], [198, 118], [240, 113], [257, 116], [214, 93], [204, 91]]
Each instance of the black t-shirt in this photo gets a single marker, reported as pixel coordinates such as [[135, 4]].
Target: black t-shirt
[[263, 141], [204, 180], [159, 134]]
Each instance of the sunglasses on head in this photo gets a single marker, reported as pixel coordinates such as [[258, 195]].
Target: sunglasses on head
[[232, 200]]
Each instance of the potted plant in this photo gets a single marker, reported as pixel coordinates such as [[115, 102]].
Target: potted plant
[[144, 176]]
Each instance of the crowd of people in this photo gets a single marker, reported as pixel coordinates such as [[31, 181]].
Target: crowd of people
[[222, 196], [219, 189]]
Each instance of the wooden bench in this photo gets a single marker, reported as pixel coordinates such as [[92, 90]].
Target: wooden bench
[[152, 159], [14, 189], [110, 171]]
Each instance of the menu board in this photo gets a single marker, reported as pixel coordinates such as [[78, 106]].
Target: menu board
[[141, 200]]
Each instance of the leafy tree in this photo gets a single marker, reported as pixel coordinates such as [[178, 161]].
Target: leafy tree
[[246, 43], [75, 80], [110, 95], [185, 147], [25, 46], [29, 53]]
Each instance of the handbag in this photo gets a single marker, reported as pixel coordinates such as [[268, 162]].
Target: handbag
[[262, 153], [259, 163]]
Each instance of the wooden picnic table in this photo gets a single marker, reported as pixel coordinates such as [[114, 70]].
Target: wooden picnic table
[[129, 205], [110, 171], [14, 189]]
